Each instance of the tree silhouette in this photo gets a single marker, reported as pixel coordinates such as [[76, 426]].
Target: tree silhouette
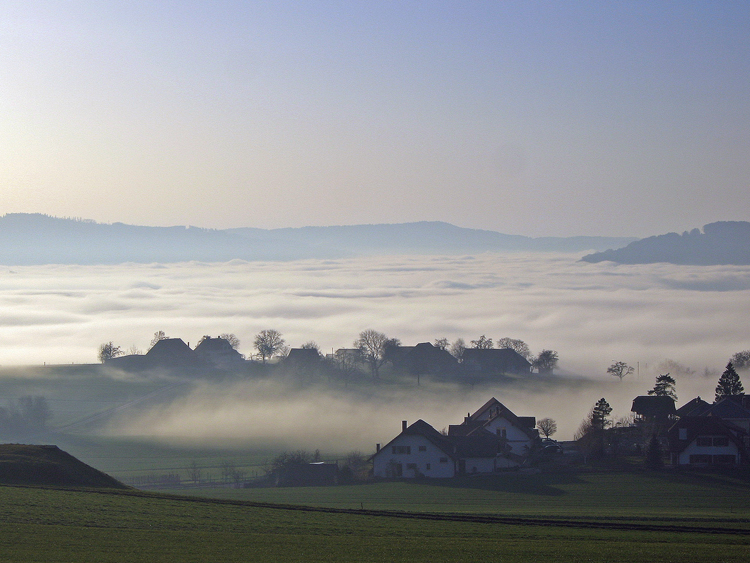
[[482, 343], [600, 414], [546, 361], [547, 426], [620, 369], [108, 350], [729, 384], [268, 343], [664, 387]]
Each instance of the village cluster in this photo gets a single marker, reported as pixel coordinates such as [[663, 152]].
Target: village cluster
[[493, 438]]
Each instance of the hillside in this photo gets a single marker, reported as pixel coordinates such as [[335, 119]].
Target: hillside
[[27, 239], [50, 466], [721, 243]]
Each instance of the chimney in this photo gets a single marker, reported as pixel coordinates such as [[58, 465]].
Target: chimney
[[377, 448], [403, 426]]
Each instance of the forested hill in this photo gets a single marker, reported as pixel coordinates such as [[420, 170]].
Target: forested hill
[[40, 239], [724, 242]]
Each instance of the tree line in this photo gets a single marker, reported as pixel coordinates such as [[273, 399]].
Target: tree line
[[374, 347]]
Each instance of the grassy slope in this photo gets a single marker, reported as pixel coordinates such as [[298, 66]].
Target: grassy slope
[[665, 494], [54, 525], [48, 465]]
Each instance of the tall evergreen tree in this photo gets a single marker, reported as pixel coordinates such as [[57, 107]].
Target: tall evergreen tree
[[664, 387], [729, 384], [600, 414]]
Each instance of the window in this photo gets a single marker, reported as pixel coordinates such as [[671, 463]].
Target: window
[[700, 458], [703, 442], [721, 442], [427, 467], [401, 450], [422, 448], [443, 460]]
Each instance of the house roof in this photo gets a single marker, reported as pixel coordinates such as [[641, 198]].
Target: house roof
[[727, 408], [481, 445], [217, 344], [496, 358], [303, 355], [653, 406], [702, 426], [493, 409], [171, 350], [694, 407]]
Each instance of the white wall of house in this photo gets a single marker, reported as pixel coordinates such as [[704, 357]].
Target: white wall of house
[[416, 454], [518, 440], [694, 449]]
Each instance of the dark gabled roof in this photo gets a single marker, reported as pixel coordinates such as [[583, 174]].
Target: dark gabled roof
[[499, 359], [303, 355], [492, 403], [421, 428], [494, 408], [694, 407], [217, 344], [653, 406], [171, 350], [703, 426], [727, 408]]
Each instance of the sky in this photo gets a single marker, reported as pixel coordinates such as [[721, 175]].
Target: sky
[[532, 118]]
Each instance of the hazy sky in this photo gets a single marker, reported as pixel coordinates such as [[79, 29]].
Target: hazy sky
[[536, 118]]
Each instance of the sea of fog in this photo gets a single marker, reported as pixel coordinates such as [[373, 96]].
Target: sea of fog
[[685, 319]]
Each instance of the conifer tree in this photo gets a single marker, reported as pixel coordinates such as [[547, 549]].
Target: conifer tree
[[600, 414], [664, 387], [729, 384]]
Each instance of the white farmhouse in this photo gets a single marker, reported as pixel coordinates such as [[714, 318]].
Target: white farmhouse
[[490, 440], [494, 417], [707, 440]]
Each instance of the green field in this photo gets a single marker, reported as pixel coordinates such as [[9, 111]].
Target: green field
[[69, 525], [653, 495]]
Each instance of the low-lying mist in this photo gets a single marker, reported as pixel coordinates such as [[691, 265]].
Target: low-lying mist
[[279, 413], [591, 314]]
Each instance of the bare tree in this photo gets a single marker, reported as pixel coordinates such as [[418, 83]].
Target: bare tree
[[158, 335], [620, 369], [482, 343], [108, 350], [269, 343], [457, 349], [547, 426], [134, 350], [234, 342], [442, 343], [518, 346], [373, 345], [741, 360], [546, 362]]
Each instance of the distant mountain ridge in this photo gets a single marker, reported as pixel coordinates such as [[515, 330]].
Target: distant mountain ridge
[[27, 239], [720, 243]]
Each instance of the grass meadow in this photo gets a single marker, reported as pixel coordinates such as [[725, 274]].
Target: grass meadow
[[39, 524]]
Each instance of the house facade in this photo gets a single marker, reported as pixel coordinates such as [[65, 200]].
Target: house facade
[[490, 440], [707, 440], [518, 432]]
